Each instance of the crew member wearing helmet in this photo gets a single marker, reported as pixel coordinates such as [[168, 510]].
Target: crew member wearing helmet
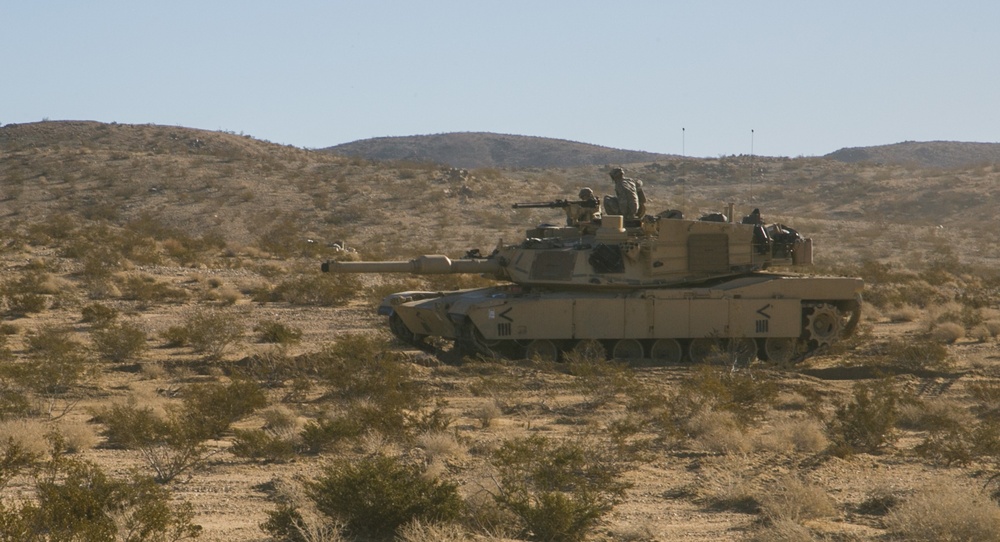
[[584, 210], [628, 201]]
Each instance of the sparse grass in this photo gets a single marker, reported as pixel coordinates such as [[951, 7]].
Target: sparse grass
[[945, 511]]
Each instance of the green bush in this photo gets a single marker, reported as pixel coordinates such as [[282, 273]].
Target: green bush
[[261, 445], [322, 289], [170, 445], [76, 500], [559, 491], [98, 315], [211, 408], [272, 331], [745, 395], [56, 363], [372, 497], [174, 444], [372, 388], [866, 423], [119, 342], [211, 331]]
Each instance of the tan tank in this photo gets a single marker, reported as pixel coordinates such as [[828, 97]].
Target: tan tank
[[663, 287]]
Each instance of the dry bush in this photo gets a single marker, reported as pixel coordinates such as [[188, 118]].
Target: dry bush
[[485, 413], [783, 530], [945, 511], [440, 446], [419, 531], [933, 413], [28, 434], [904, 313], [947, 332], [716, 431], [803, 436], [791, 498], [728, 485], [77, 437]]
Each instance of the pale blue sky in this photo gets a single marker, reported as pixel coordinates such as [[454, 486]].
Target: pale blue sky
[[806, 77]]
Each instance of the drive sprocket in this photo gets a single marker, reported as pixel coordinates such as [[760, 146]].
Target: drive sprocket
[[824, 324]]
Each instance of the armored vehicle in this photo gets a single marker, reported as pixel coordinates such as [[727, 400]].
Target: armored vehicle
[[661, 287]]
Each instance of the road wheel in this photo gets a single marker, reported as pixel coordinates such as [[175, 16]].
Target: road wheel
[[667, 351], [541, 349], [780, 350], [627, 349]]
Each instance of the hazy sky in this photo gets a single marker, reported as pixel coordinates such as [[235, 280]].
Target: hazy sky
[[699, 77]]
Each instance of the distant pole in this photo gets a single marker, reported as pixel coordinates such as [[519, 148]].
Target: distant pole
[[751, 166], [683, 149]]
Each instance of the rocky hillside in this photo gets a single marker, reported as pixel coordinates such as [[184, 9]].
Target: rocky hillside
[[479, 150], [213, 189], [933, 154]]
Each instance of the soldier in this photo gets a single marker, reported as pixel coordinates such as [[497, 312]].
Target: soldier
[[628, 201], [589, 207]]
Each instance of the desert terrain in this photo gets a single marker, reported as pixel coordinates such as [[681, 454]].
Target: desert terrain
[[165, 322]]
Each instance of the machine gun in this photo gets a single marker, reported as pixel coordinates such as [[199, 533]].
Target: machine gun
[[578, 212], [558, 204]]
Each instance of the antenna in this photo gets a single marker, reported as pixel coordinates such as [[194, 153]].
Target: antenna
[[683, 150], [751, 166]]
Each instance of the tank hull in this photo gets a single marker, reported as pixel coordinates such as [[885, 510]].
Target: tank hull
[[778, 317]]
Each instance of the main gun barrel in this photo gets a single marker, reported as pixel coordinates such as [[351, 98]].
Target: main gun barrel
[[434, 264]]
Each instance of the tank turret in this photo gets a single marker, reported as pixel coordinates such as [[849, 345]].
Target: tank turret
[[660, 287]]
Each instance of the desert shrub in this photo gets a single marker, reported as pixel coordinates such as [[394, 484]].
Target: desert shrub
[[805, 436], [745, 395], [922, 354], [261, 445], [947, 332], [794, 499], [173, 443], [98, 315], [56, 363], [76, 500], [169, 445], [372, 390], [727, 485], [25, 294], [945, 512], [865, 424], [321, 289], [146, 289], [372, 497], [959, 443], [211, 408], [272, 331], [558, 490], [14, 458], [718, 431], [211, 331], [119, 342], [601, 380]]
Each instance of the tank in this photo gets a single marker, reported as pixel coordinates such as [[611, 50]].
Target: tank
[[662, 288]]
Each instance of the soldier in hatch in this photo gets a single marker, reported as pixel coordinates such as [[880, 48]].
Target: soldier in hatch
[[586, 210], [628, 201]]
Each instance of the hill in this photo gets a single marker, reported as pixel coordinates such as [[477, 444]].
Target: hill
[[479, 150], [934, 154]]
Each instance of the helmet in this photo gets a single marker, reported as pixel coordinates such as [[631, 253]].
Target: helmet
[[586, 194], [617, 173]]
